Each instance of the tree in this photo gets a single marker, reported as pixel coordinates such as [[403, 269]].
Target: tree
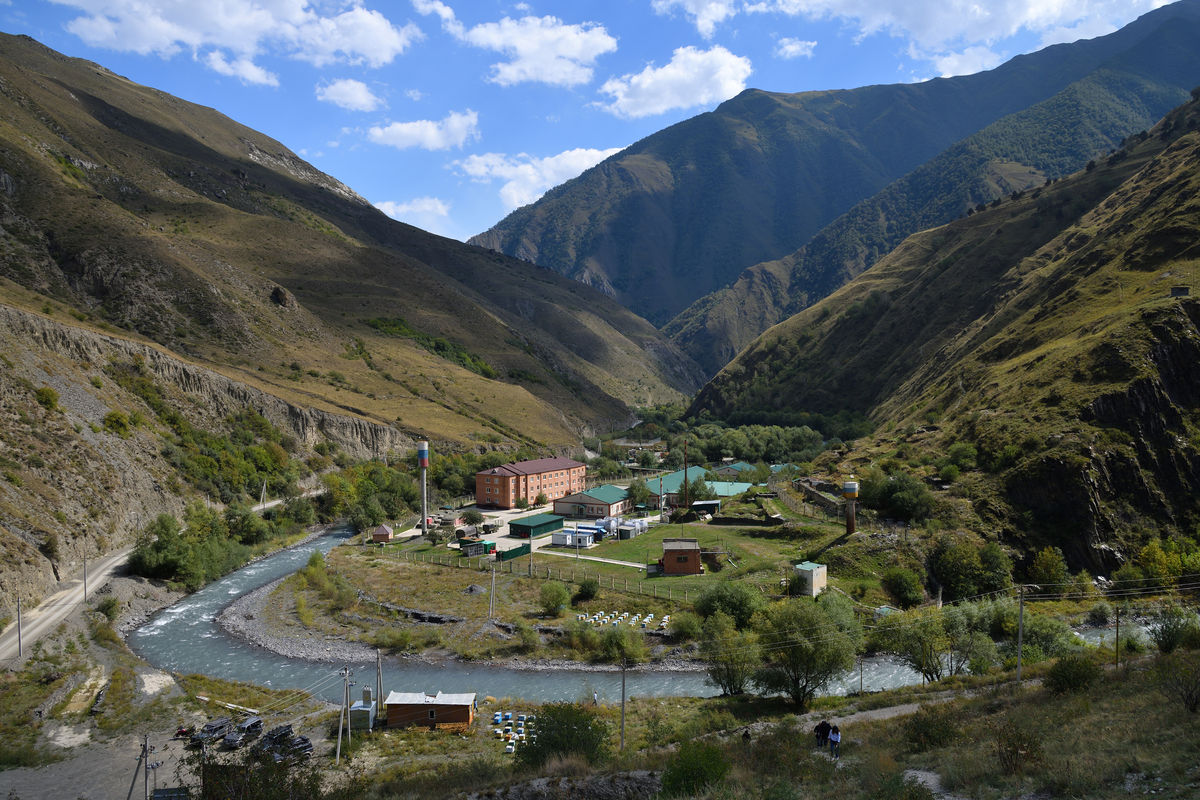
[[472, 517], [802, 649], [918, 639], [566, 729], [698, 489], [903, 586], [541, 499], [995, 568], [552, 597], [1049, 570], [639, 493], [955, 565], [738, 600], [731, 655]]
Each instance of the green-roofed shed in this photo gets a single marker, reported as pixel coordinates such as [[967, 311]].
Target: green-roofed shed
[[537, 525]]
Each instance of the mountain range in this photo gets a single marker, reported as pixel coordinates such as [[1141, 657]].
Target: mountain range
[[722, 225]]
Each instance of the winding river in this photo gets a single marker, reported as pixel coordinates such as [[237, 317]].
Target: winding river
[[186, 638]]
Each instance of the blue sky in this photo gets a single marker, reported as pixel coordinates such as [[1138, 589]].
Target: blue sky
[[448, 114]]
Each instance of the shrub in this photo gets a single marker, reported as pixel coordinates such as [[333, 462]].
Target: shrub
[[566, 729], [1017, 747], [47, 398], [1178, 677], [1072, 673], [117, 422], [1171, 626], [109, 607], [1099, 614], [552, 597], [903, 586], [685, 626], [589, 589], [738, 600], [695, 766], [932, 726]]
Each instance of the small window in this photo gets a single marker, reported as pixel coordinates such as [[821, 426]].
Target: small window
[[433, 713], [681, 559]]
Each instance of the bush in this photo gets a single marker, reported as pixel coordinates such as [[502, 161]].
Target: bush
[[1178, 677], [1017, 747], [685, 627], [738, 600], [566, 729], [1099, 614], [110, 608], [1072, 673], [1172, 626], [589, 589], [695, 766], [552, 597], [903, 586], [47, 398], [932, 726]]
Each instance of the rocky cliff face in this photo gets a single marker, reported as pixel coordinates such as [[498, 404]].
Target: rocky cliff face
[[69, 487]]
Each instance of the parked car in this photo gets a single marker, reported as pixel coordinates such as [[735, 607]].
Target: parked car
[[211, 731], [233, 740]]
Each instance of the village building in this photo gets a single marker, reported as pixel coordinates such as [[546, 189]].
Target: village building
[[537, 525], [503, 486], [382, 534], [680, 557], [449, 711], [597, 502], [815, 577]]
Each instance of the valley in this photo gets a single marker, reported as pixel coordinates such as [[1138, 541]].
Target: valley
[[889, 394]]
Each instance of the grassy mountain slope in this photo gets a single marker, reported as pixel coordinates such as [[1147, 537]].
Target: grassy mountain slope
[[134, 210], [1047, 140], [1042, 331], [683, 212]]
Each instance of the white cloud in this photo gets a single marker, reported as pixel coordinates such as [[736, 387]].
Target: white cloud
[[705, 14], [789, 48], [413, 94], [453, 131], [967, 62], [692, 78], [427, 213], [527, 178], [349, 94], [539, 49], [935, 28], [243, 69], [235, 32]]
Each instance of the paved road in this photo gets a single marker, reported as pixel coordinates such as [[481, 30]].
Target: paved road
[[544, 552], [36, 622]]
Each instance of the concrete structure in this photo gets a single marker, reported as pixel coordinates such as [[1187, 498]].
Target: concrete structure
[[537, 525], [453, 711], [382, 534], [815, 577], [680, 557], [362, 713], [503, 486], [599, 501]]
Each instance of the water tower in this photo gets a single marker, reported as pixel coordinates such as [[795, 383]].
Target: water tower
[[850, 492], [423, 463]]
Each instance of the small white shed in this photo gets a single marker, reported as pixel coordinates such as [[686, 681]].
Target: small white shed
[[815, 578]]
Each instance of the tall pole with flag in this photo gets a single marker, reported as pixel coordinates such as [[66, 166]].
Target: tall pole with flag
[[423, 463]]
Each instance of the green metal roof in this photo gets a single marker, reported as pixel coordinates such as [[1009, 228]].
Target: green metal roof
[[809, 565], [728, 488], [536, 520], [673, 483], [606, 493]]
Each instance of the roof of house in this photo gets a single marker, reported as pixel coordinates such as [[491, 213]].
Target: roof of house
[[673, 483], [606, 493], [728, 488], [739, 466], [681, 544], [536, 519], [385, 529], [534, 467], [420, 698], [809, 565]]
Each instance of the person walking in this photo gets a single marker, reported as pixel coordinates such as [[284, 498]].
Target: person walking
[[822, 732], [835, 742]]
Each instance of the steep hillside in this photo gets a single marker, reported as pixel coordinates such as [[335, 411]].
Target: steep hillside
[[1044, 331], [683, 212], [1018, 152], [128, 209]]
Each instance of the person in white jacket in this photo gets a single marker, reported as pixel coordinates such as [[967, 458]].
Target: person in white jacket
[[835, 742]]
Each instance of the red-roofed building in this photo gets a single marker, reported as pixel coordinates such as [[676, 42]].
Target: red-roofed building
[[501, 487]]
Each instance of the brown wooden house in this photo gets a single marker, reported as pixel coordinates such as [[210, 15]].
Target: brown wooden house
[[453, 711]]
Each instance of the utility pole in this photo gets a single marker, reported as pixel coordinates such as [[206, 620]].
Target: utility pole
[[378, 682], [146, 765], [20, 648], [345, 695], [1020, 630], [85, 579], [686, 505]]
